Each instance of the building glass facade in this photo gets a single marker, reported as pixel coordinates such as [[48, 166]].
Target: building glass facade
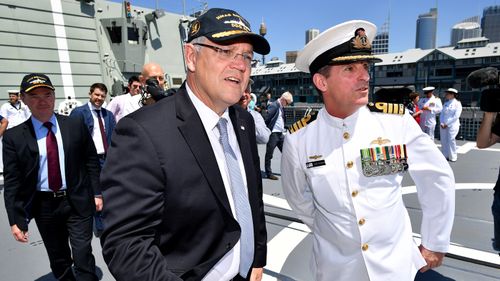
[[426, 30]]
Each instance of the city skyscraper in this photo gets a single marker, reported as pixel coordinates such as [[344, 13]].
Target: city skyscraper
[[311, 34], [468, 28], [426, 30], [490, 23], [380, 43]]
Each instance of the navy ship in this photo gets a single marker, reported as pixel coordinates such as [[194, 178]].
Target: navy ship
[[78, 43]]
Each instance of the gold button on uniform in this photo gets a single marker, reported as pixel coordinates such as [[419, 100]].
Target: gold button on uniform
[[350, 164], [346, 135], [361, 221], [354, 193], [364, 247]]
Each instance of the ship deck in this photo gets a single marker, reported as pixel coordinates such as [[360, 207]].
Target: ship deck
[[290, 241]]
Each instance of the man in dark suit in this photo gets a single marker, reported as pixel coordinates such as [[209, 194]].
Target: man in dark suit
[[275, 121], [100, 123], [51, 174], [186, 202]]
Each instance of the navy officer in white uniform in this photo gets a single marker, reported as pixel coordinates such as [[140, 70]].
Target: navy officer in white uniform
[[431, 106], [342, 172], [450, 124]]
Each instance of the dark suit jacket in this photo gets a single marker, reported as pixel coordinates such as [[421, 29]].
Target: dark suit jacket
[[273, 114], [167, 215], [84, 113], [21, 165]]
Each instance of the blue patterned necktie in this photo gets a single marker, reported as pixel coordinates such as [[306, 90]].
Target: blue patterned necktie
[[241, 203]]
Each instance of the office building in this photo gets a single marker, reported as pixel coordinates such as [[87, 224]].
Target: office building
[[311, 34], [426, 30], [380, 44], [490, 23], [466, 29]]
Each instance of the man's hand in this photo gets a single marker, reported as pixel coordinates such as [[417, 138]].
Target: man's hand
[[433, 259], [98, 203], [256, 274], [444, 126], [19, 235]]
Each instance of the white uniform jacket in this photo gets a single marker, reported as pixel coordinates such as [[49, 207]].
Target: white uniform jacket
[[428, 117], [360, 225], [15, 114], [450, 115]]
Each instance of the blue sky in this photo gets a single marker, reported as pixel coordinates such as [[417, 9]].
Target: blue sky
[[287, 20]]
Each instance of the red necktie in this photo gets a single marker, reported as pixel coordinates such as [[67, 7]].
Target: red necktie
[[54, 172], [103, 133]]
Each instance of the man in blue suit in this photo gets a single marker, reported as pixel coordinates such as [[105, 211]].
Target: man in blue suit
[[101, 124]]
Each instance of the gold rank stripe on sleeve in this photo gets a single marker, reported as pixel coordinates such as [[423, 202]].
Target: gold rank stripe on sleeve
[[389, 108], [384, 160], [302, 122]]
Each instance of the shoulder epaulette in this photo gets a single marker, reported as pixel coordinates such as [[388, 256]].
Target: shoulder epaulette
[[308, 118], [385, 107]]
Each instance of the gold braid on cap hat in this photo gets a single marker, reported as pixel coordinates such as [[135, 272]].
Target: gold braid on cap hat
[[228, 33]]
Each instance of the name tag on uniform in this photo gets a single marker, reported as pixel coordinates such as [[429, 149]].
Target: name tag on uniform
[[384, 160], [315, 164]]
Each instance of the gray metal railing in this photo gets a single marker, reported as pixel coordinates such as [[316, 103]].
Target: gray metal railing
[[469, 120]]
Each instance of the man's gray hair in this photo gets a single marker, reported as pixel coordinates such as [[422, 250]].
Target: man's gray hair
[[287, 96]]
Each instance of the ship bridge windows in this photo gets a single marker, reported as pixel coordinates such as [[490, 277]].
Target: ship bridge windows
[[133, 35], [115, 33]]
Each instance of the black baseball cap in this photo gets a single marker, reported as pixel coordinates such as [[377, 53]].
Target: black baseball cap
[[223, 25], [35, 80]]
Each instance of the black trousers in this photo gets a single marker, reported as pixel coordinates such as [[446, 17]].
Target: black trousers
[[275, 139], [61, 227]]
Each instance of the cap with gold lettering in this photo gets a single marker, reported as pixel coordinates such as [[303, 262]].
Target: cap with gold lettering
[[342, 44], [224, 26], [35, 80]]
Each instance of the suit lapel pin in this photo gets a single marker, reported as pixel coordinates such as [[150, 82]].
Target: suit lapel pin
[[243, 128]]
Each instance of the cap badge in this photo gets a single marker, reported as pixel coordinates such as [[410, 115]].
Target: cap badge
[[238, 24], [36, 80], [361, 42], [195, 27]]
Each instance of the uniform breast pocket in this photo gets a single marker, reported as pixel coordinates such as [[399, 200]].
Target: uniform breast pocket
[[329, 188], [382, 191]]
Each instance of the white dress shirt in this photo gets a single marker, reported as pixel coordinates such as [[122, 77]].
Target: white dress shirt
[[41, 136], [360, 225], [96, 132], [227, 267], [262, 132]]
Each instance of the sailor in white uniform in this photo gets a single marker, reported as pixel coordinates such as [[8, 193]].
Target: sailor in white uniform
[[450, 124], [431, 106], [342, 173], [15, 110]]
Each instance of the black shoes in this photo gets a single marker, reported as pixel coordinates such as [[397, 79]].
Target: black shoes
[[272, 177]]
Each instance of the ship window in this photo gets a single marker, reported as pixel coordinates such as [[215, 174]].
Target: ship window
[[133, 35], [115, 33]]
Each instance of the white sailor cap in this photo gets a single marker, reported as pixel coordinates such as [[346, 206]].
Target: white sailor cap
[[428, 89], [13, 92], [452, 90], [344, 43]]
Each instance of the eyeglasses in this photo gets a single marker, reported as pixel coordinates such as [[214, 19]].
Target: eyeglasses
[[228, 54]]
